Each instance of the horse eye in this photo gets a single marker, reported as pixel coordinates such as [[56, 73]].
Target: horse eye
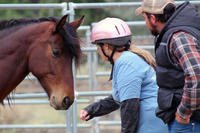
[[56, 52]]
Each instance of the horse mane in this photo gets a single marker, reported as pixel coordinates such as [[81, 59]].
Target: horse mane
[[4, 24], [72, 42], [69, 34]]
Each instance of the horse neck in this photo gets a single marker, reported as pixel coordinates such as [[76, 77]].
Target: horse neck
[[14, 57]]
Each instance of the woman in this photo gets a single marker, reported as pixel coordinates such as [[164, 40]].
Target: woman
[[134, 88]]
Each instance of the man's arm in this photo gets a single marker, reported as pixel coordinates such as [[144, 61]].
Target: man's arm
[[185, 49]]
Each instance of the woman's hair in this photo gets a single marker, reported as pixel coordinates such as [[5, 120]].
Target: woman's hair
[[144, 54]]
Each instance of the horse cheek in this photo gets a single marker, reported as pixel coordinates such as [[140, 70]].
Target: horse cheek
[[34, 67]]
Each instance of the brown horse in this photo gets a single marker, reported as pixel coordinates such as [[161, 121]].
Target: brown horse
[[45, 47]]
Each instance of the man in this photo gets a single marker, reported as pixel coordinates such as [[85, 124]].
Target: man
[[177, 48]]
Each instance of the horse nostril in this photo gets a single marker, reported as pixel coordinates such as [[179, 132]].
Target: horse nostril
[[66, 102]]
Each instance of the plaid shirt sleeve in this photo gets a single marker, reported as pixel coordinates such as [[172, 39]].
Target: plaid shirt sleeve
[[184, 50]]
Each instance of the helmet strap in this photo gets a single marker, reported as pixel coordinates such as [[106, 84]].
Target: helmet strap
[[112, 62], [104, 53], [111, 74], [110, 58]]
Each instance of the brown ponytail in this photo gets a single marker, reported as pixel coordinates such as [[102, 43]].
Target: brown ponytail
[[144, 54]]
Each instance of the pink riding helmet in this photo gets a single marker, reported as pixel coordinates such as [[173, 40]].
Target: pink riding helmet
[[113, 31]]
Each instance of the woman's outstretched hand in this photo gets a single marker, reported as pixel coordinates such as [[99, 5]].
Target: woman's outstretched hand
[[84, 115]]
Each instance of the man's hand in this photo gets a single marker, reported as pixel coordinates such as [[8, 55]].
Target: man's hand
[[181, 119]]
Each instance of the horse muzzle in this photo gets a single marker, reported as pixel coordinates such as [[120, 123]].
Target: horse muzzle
[[66, 103], [63, 104]]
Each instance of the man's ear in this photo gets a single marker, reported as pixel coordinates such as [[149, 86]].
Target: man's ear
[[153, 19]]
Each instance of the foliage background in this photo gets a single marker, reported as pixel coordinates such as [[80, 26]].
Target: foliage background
[[91, 14]]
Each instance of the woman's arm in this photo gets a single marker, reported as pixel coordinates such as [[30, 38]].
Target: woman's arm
[[129, 115], [102, 107]]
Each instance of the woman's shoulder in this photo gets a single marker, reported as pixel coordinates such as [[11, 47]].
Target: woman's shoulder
[[131, 62], [129, 57]]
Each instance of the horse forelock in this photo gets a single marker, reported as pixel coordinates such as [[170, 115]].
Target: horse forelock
[[71, 42]]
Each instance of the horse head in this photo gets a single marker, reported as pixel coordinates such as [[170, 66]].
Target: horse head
[[51, 60]]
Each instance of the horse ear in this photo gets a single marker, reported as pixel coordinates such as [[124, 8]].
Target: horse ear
[[61, 23], [75, 24]]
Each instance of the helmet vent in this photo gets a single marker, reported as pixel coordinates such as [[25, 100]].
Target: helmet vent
[[117, 29], [123, 28]]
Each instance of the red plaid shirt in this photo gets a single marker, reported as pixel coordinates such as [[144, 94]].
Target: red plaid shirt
[[185, 52]]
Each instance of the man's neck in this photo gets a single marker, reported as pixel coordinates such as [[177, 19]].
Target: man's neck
[[160, 26]]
